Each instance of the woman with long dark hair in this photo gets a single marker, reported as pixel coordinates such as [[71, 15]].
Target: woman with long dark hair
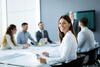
[[68, 47]]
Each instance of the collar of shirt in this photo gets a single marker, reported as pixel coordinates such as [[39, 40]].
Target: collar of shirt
[[24, 32], [69, 32], [84, 28], [41, 30]]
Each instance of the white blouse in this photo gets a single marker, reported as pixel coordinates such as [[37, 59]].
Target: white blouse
[[9, 44], [67, 50]]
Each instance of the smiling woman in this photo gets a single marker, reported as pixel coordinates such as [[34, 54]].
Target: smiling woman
[[64, 26], [68, 47]]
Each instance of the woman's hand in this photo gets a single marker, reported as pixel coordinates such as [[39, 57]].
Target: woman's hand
[[25, 46], [42, 60], [45, 53]]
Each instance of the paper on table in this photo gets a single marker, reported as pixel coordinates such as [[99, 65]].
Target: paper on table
[[11, 56]]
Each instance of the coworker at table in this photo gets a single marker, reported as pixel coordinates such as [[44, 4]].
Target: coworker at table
[[8, 40], [85, 37], [42, 34], [24, 35], [68, 47]]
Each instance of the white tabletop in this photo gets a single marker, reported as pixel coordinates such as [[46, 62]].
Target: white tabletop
[[26, 57]]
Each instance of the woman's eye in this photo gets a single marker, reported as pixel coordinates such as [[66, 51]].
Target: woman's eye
[[62, 23]]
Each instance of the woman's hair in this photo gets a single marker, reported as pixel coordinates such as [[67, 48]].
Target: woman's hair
[[61, 34], [9, 32]]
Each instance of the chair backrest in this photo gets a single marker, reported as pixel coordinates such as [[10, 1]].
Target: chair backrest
[[77, 63], [92, 56]]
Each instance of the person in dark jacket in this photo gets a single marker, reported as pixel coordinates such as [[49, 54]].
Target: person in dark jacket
[[42, 34], [74, 22]]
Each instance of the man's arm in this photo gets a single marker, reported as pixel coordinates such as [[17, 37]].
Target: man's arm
[[38, 36], [30, 37]]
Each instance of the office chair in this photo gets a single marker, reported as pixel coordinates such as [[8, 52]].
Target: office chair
[[92, 54], [75, 63], [98, 58]]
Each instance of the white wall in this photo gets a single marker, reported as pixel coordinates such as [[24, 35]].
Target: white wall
[[3, 18], [51, 10], [0, 23]]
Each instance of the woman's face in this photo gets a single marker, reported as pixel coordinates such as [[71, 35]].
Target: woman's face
[[63, 25], [14, 31]]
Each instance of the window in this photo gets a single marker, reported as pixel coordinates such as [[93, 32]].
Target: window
[[19, 11]]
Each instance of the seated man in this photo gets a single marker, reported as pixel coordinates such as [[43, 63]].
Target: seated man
[[24, 35], [85, 37], [42, 34]]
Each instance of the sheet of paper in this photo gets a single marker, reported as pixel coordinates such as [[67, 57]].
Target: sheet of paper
[[11, 56]]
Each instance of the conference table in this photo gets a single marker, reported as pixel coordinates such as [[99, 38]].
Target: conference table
[[25, 57]]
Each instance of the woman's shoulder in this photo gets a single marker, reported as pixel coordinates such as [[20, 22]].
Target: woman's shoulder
[[81, 33], [68, 34]]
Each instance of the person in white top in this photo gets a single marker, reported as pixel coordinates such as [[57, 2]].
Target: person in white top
[[85, 37], [68, 47], [8, 40]]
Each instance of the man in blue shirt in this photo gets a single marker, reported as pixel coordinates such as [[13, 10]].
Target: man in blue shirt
[[23, 36]]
